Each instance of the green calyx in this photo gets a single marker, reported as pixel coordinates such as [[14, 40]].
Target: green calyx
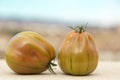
[[78, 29], [50, 67]]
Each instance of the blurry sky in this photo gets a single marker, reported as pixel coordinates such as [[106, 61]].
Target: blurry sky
[[105, 11]]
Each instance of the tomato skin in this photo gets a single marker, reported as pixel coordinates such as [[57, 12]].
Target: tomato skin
[[78, 54], [29, 53]]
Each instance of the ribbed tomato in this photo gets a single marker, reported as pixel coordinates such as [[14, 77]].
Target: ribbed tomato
[[78, 54], [29, 53]]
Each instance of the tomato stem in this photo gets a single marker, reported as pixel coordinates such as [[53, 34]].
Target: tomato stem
[[50, 67], [79, 29]]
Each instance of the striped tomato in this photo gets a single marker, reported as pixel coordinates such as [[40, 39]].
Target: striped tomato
[[78, 54], [29, 53]]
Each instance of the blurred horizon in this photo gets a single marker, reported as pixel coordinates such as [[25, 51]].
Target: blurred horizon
[[59, 22]]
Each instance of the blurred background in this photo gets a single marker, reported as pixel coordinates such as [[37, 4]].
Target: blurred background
[[50, 18]]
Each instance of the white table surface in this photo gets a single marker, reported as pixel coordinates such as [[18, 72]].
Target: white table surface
[[104, 71]]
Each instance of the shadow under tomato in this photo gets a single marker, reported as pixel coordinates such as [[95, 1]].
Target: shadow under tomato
[[17, 74], [92, 74]]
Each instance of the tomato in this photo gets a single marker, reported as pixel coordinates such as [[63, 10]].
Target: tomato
[[78, 54], [29, 53]]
